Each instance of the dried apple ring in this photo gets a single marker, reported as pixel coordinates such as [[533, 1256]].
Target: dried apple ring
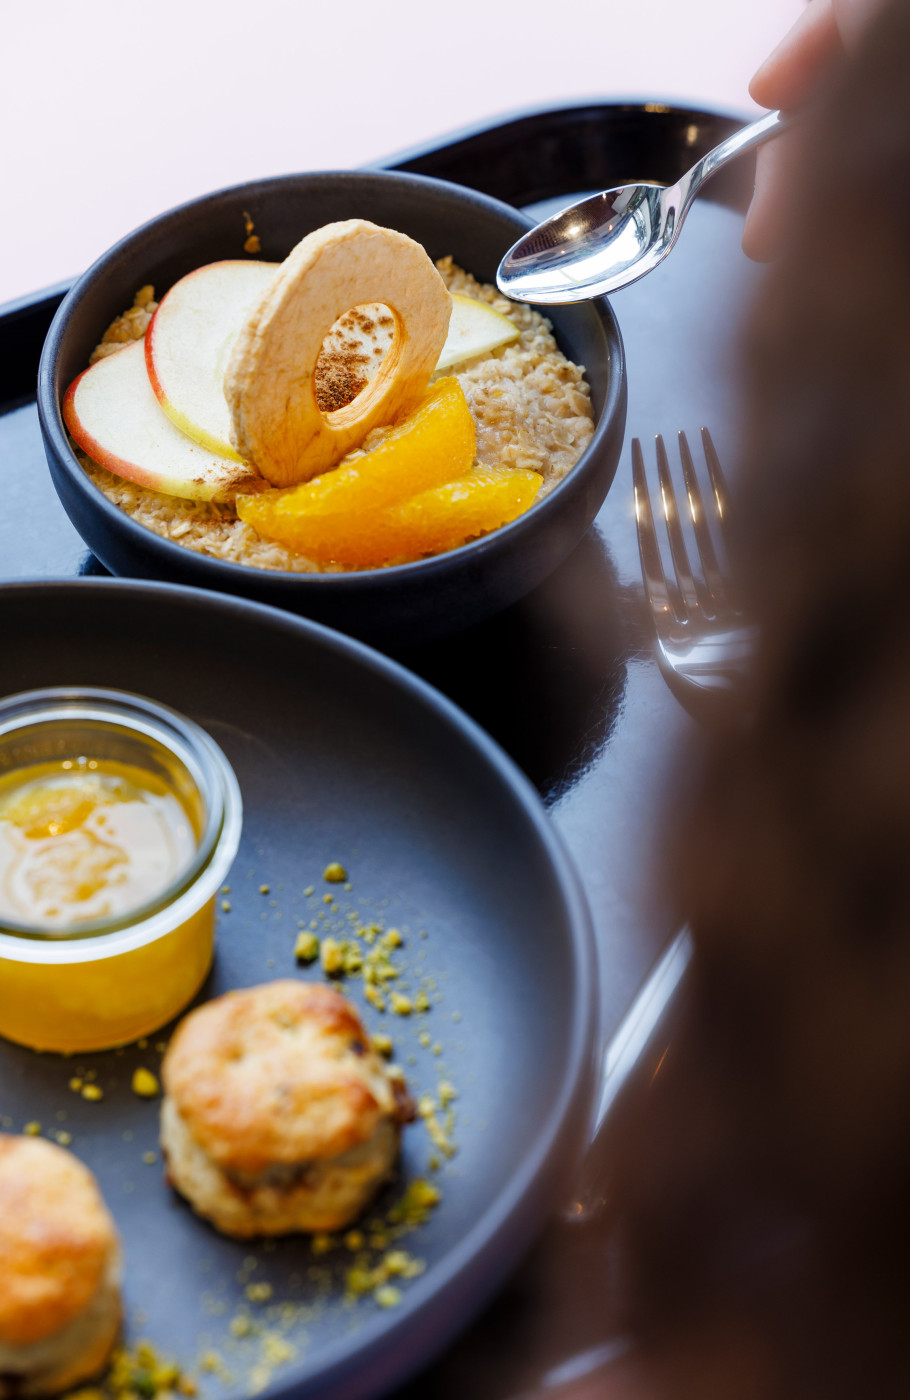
[[270, 387]]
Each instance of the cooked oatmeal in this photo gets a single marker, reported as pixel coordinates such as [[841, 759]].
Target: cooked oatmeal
[[531, 409]]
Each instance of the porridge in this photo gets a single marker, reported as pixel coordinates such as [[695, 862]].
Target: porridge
[[530, 407]]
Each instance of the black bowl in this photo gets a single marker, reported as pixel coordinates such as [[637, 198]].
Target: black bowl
[[395, 606]]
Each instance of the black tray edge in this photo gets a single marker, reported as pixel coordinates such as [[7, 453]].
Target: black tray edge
[[459, 146]]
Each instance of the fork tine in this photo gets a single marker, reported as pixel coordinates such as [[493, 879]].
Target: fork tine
[[714, 579], [718, 480], [659, 592], [692, 595]]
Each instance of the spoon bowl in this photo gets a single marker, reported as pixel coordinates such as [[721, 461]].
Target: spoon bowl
[[613, 238]]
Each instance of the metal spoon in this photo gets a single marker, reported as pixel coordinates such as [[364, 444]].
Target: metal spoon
[[613, 238]]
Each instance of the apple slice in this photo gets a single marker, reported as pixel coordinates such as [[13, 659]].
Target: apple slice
[[189, 342], [114, 416], [475, 329]]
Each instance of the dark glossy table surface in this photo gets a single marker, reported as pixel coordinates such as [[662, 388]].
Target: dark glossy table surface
[[564, 680]]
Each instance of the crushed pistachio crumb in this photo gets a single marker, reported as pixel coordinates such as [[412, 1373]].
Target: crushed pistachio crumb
[[426, 1109], [75, 1084], [335, 873], [387, 1295], [226, 906], [331, 955], [32, 1129], [145, 1084], [399, 1264], [277, 1349], [310, 889], [359, 1280], [264, 889], [258, 1292], [139, 1374], [400, 1004], [374, 996], [353, 958], [92, 1092], [381, 1043], [211, 1362], [150, 1158], [415, 1205], [64, 1138], [306, 949]]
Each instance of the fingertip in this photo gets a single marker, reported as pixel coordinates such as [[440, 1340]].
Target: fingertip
[[762, 83], [788, 75]]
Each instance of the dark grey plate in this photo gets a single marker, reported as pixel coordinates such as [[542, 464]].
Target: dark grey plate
[[341, 755]]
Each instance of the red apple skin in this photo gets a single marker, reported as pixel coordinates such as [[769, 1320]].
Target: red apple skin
[[92, 447], [207, 477]]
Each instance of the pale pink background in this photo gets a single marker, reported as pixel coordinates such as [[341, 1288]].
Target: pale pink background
[[113, 110]]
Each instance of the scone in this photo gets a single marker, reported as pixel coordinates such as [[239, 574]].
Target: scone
[[59, 1270], [278, 1116]]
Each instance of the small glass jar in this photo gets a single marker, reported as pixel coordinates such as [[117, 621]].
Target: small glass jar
[[95, 983]]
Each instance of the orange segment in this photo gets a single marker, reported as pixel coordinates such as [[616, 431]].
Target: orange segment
[[448, 515], [429, 522], [412, 495], [433, 444]]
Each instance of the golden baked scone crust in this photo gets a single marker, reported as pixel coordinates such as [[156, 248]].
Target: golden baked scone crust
[[57, 1239], [280, 1074], [270, 383]]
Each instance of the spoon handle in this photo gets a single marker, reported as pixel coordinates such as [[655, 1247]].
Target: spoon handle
[[743, 140]]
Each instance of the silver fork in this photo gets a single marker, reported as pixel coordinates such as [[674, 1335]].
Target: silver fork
[[703, 640]]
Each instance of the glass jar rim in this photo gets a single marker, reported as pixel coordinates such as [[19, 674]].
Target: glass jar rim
[[209, 771]]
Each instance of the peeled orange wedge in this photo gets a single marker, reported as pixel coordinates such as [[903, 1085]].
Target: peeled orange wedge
[[433, 444], [432, 521], [415, 494]]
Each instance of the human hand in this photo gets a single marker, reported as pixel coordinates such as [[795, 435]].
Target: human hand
[[822, 34]]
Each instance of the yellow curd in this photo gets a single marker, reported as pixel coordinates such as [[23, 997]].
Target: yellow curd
[[118, 821], [86, 838]]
